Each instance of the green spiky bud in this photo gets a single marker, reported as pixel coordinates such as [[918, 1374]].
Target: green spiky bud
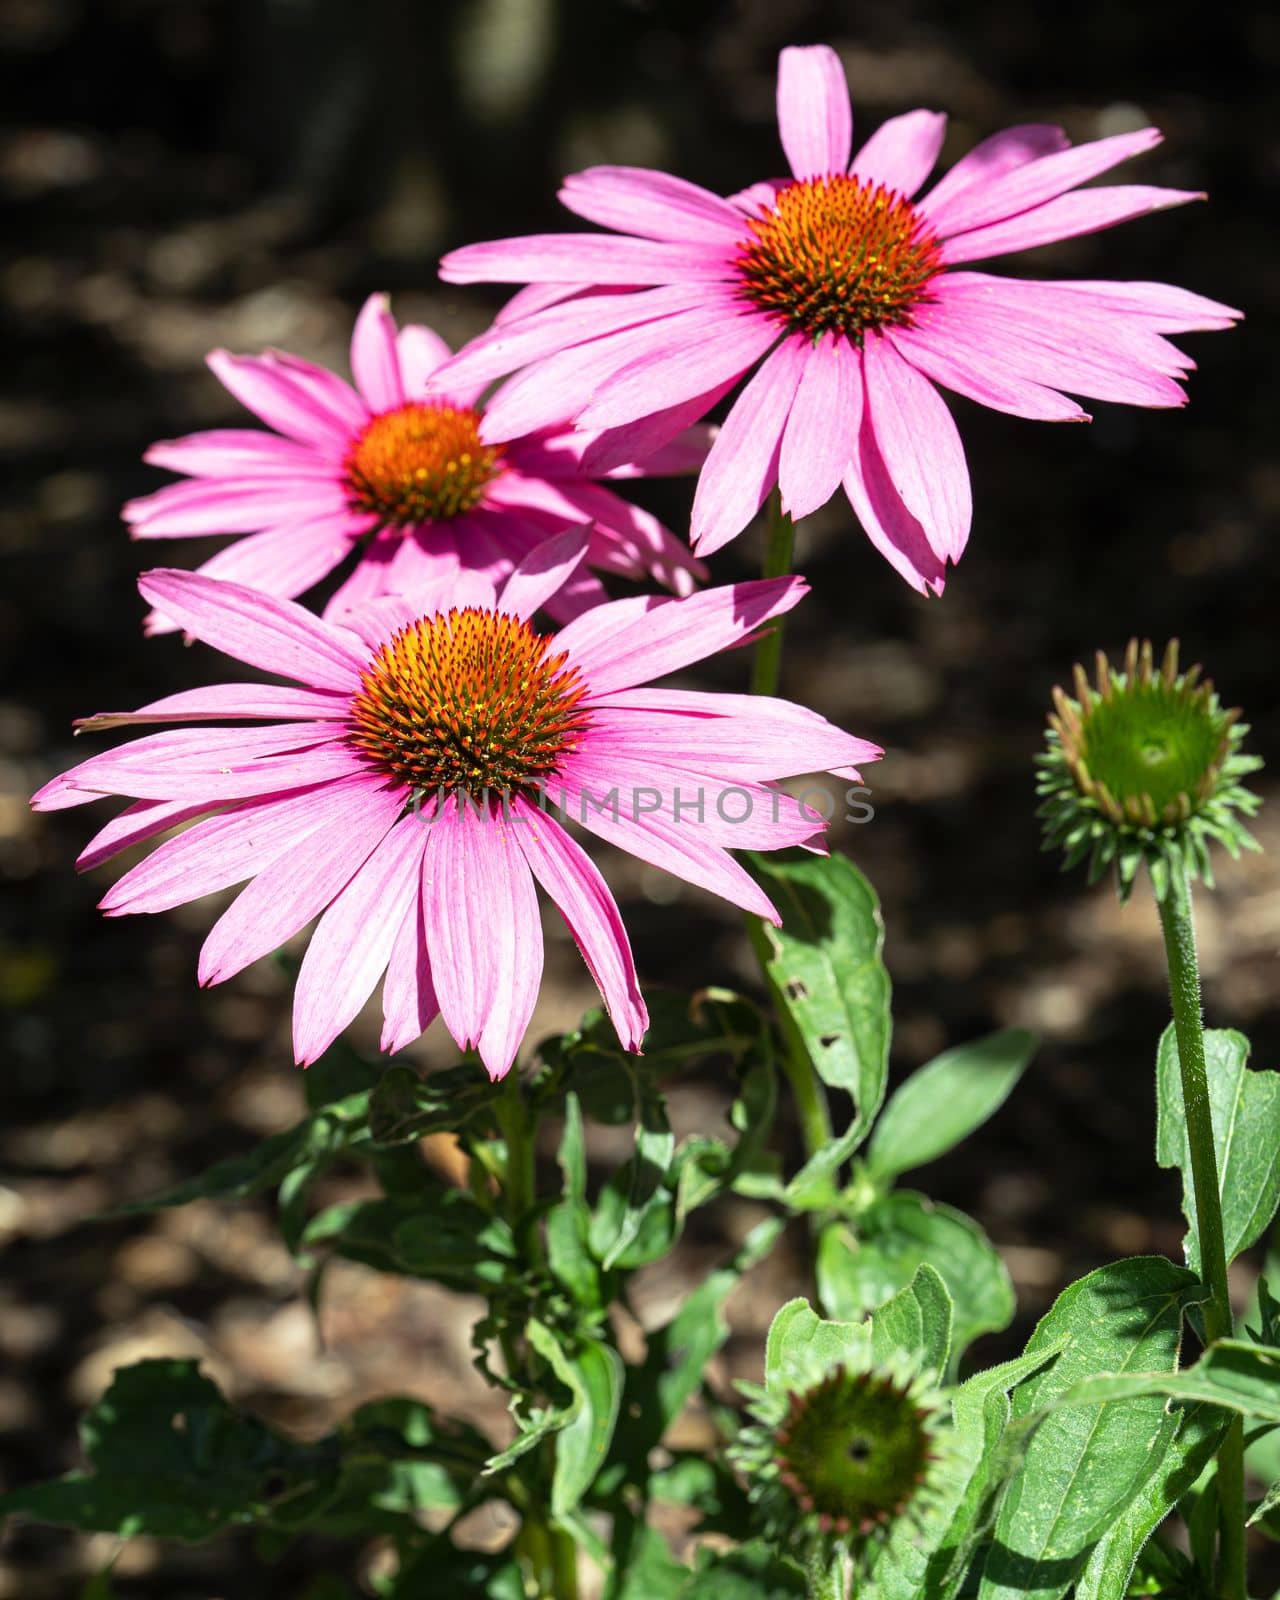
[[1141, 765]]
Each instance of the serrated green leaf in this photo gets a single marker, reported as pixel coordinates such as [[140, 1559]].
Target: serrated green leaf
[[1107, 1573], [1083, 1469], [1232, 1374], [858, 1271], [1245, 1106], [827, 975], [944, 1102], [593, 1374]]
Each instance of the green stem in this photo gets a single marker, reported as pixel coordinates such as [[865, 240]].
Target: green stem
[[779, 546], [550, 1554], [1178, 925]]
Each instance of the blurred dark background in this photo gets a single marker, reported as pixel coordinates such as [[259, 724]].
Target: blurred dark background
[[180, 175]]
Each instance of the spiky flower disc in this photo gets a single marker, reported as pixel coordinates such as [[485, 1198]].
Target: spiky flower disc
[[1144, 765], [854, 1450]]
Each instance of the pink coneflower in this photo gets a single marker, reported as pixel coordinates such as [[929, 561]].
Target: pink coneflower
[[413, 483], [838, 291], [398, 794]]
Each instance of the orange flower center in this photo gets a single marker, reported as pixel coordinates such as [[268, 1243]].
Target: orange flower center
[[468, 700], [421, 462], [838, 254]]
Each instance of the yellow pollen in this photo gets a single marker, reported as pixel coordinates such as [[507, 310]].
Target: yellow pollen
[[840, 255], [468, 700], [422, 462]]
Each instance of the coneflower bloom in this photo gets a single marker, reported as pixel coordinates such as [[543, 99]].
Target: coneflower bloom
[[410, 482], [837, 291], [399, 789]]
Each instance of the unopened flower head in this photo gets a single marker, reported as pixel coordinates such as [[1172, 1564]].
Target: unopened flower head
[[845, 298], [1144, 764], [399, 789], [402, 486]]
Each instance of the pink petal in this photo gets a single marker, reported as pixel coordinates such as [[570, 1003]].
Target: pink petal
[[709, 351], [135, 825], [298, 885], [1163, 306], [1000, 153], [508, 346], [544, 571], [680, 456], [220, 701], [920, 446], [276, 635], [654, 205], [901, 153], [228, 848], [891, 528], [422, 352], [1032, 183], [814, 119], [742, 466], [367, 578], [583, 899], [233, 452], [979, 376], [334, 395], [409, 1003], [821, 435], [281, 561], [479, 897], [271, 392], [375, 360], [613, 450], [586, 258], [207, 505], [1069, 216], [354, 938], [682, 851], [629, 642], [535, 297]]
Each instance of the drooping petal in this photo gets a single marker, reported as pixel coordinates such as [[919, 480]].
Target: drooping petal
[[281, 561], [815, 121], [352, 943], [1032, 183], [891, 528], [1000, 153], [516, 932], [901, 153], [633, 641], [586, 258], [295, 887], [409, 1003], [265, 632], [583, 899], [920, 446], [1088, 211], [375, 359], [654, 205], [742, 466], [821, 433]]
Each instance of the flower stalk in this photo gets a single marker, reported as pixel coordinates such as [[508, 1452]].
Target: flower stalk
[[1178, 925]]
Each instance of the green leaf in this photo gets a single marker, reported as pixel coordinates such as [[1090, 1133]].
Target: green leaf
[[828, 978], [946, 1100], [751, 1572], [568, 1223], [1196, 1433], [634, 1220], [442, 1569], [802, 1347], [1246, 1134], [929, 1559], [1080, 1473], [405, 1107], [1236, 1375], [171, 1458], [438, 1233], [593, 1374], [644, 1567], [915, 1324], [862, 1264]]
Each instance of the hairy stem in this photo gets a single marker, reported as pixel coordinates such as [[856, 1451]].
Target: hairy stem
[[1184, 989], [779, 546]]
